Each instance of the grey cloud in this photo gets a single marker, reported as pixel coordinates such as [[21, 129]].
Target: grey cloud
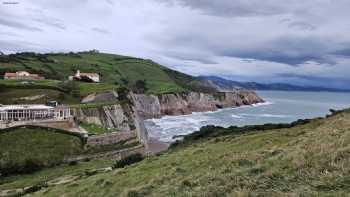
[[100, 30], [302, 26], [237, 7], [7, 33], [15, 46], [222, 36], [18, 25], [51, 22], [202, 58], [343, 52], [287, 50]]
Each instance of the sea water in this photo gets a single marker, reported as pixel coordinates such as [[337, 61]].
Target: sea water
[[280, 107]]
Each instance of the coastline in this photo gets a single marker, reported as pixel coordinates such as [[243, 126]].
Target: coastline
[[279, 107]]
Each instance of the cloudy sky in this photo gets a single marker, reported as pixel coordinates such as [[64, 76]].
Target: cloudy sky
[[295, 41]]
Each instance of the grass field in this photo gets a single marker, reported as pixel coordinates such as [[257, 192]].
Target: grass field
[[21, 181], [113, 69], [310, 159], [19, 92], [24, 148]]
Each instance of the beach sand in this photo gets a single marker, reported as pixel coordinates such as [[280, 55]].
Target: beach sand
[[155, 146]]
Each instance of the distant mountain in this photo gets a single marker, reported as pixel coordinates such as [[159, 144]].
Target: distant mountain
[[228, 85]]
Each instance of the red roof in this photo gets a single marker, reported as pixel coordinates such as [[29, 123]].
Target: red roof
[[15, 75], [10, 75], [89, 74]]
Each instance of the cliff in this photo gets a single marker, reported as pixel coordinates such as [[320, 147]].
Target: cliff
[[120, 116], [156, 106]]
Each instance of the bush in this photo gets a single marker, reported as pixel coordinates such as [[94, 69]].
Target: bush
[[140, 87], [128, 160], [73, 163], [211, 131], [29, 166]]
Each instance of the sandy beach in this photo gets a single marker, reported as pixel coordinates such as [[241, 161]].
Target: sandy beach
[[155, 146]]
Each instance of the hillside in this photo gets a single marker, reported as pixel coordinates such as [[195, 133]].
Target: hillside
[[306, 158], [134, 73], [29, 149], [229, 85]]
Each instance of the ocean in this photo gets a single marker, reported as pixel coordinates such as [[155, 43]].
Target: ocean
[[280, 107]]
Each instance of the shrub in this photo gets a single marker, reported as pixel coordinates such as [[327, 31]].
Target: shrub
[[128, 160], [29, 166], [73, 163]]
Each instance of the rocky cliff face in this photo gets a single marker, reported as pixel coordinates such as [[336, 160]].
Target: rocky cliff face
[[121, 116], [112, 116], [151, 106], [128, 116]]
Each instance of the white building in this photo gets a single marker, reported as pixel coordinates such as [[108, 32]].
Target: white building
[[10, 113], [92, 76]]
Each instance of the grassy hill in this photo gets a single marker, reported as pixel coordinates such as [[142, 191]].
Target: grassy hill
[[30, 149], [307, 158], [23, 150], [113, 69]]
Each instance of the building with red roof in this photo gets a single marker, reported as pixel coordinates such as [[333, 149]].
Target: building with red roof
[[22, 75]]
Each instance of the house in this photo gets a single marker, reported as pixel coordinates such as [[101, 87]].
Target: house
[[10, 113], [93, 77], [22, 75]]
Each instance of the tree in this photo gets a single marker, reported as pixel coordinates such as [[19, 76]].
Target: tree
[[141, 86]]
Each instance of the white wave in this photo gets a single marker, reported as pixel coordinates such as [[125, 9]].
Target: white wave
[[274, 115], [236, 116], [266, 115], [166, 127], [262, 104]]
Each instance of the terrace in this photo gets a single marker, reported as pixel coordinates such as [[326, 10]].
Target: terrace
[[21, 113]]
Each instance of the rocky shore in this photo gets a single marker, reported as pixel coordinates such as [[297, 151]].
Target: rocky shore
[[129, 116]]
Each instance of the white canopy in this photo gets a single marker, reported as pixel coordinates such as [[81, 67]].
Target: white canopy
[[25, 107]]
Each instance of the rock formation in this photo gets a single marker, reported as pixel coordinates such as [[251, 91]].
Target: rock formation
[[123, 117], [152, 106]]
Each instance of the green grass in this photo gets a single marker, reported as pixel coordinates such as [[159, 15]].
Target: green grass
[[45, 148], [21, 181], [94, 105], [113, 69], [310, 159], [13, 92], [35, 96], [95, 129], [90, 88], [112, 147]]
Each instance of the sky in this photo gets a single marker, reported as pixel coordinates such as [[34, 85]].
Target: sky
[[304, 42]]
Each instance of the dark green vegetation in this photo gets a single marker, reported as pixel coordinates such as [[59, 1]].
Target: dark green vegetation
[[308, 158], [137, 74], [131, 159]]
